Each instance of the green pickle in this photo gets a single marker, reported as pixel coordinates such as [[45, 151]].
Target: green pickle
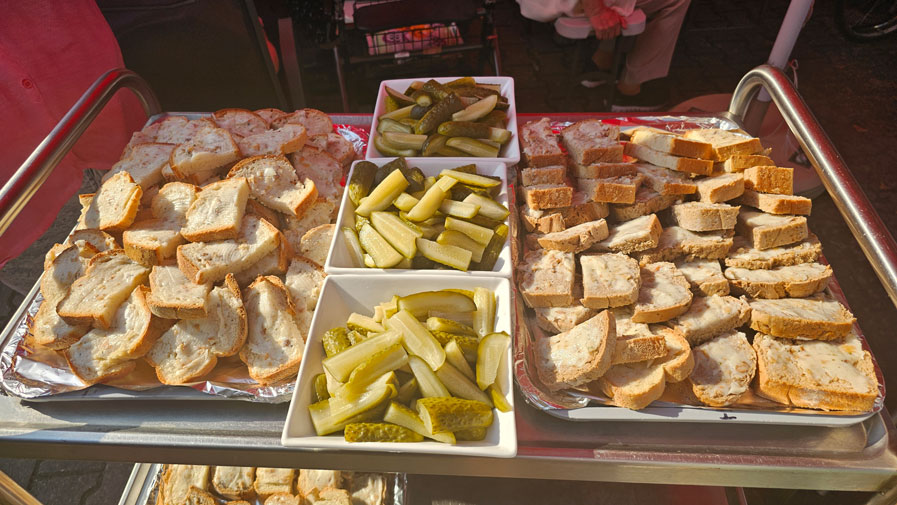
[[449, 326], [320, 383], [468, 345], [401, 415], [441, 414], [471, 435], [408, 391], [439, 113], [380, 432], [336, 340], [435, 89], [493, 250], [360, 221]]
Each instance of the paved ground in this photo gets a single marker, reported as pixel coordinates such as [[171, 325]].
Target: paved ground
[[850, 87]]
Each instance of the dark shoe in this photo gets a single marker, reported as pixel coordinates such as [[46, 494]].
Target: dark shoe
[[653, 96]]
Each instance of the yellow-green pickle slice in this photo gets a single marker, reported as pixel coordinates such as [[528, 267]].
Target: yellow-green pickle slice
[[380, 432]]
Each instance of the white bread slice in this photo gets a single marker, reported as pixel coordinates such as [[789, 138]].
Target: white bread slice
[[368, 488], [725, 143], [173, 201], [739, 162], [52, 332], [577, 356], [817, 318], [835, 375], [85, 199], [178, 129], [541, 221], [770, 179], [153, 241], [679, 360], [204, 262], [321, 168], [705, 276], [275, 262], [66, 268], [636, 341], [304, 280], [197, 496], [577, 238], [107, 282], [796, 281], [670, 143], [273, 480], [647, 201], [631, 236], [145, 136], [720, 188], [240, 122], [102, 355], [724, 369], [701, 216], [217, 212], [767, 231], [234, 482], [273, 350], [289, 499], [548, 196], [269, 114], [320, 212], [99, 240], [288, 138], [312, 482], [274, 182], [676, 242], [777, 204], [554, 174], [209, 149], [335, 145], [560, 319], [144, 163], [601, 170], [177, 481], [744, 256], [609, 280], [547, 278], [315, 244], [591, 141], [709, 316], [678, 163], [174, 296], [620, 189], [539, 144], [664, 294], [666, 181], [633, 385], [314, 121], [115, 204]]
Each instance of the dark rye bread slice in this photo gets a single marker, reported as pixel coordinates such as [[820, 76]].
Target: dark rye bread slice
[[767, 230], [680, 164], [701, 216], [666, 181], [601, 170], [647, 201], [671, 143], [620, 189], [777, 204], [548, 196]]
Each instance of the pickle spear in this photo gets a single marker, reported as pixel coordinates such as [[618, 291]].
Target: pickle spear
[[417, 339], [470, 435], [459, 385], [492, 349], [420, 304], [441, 415], [407, 392], [470, 179], [476, 232], [353, 246], [341, 365], [493, 250], [383, 254], [468, 345], [380, 432], [321, 392], [458, 209], [405, 202], [403, 416], [455, 356], [488, 207], [449, 255], [447, 325], [484, 317], [396, 232], [388, 149], [471, 146], [427, 382], [477, 110], [384, 194], [428, 204], [361, 181], [333, 414], [357, 321], [458, 239], [335, 341], [439, 113], [379, 363]]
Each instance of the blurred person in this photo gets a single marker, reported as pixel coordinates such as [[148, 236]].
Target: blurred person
[[50, 53]]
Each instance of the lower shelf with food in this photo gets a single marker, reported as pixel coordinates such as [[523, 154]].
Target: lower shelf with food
[[234, 485], [410, 364], [672, 277], [169, 281]]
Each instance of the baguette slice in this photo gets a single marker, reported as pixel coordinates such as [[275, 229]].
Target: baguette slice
[[548, 196], [739, 162], [288, 138], [666, 181], [274, 347], [636, 341], [314, 121], [777, 204], [770, 179], [647, 201], [664, 294], [835, 375], [591, 140], [602, 170], [815, 318], [304, 280], [679, 361], [177, 481], [539, 144], [743, 255], [767, 231], [102, 355], [144, 163], [701, 216], [217, 212], [107, 282], [709, 316], [724, 369], [234, 482], [315, 244], [314, 165], [676, 242], [687, 165], [204, 262], [240, 122], [91, 240], [547, 278], [275, 262], [620, 189], [796, 281], [115, 204], [269, 481], [577, 356], [65, 268], [631, 236], [210, 149], [720, 188], [153, 241], [672, 144], [725, 143], [270, 114], [275, 183], [198, 496], [575, 239], [560, 319], [634, 385], [609, 280], [705, 276], [335, 145], [174, 296], [555, 174]]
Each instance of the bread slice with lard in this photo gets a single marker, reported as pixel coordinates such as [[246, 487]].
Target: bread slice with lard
[[234, 482], [311, 482], [663, 294], [315, 165], [677, 242], [795, 281], [173, 201], [701, 216], [144, 163], [115, 204], [576, 238], [304, 279], [48, 329], [554, 174], [720, 188], [314, 121], [320, 212], [335, 145], [609, 280], [661, 159], [724, 369], [315, 243], [273, 349], [153, 241], [275, 262], [777, 204], [726, 143], [668, 142], [665, 181], [547, 278], [560, 319], [632, 236], [577, 356], [705, 276], [548, 196], [539, 144], [744, 255], [592, 140], [817, 317], [636, 341], [287, 139], [647, 201], [621, 189], [204, 262], [767, 231], [174, 296], [240, 122], [602, 170], [217, 212], [210, 149], [709, 316], [770, 179], [179, 129], [178, 479]]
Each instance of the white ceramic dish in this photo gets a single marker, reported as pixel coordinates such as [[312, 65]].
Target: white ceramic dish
[[344, 294], [510, 153], [340, 262]]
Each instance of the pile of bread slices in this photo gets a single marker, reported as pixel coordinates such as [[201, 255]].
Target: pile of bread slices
[[701, 256], [205, 240]]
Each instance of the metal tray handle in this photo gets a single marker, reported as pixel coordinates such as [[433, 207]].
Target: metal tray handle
[[19, 189], [865, 224]]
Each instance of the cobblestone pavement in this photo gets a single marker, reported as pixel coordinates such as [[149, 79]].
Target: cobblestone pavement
[[850, 87]]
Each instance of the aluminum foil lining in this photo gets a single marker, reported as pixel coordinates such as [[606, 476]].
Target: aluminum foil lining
[[526, 329]]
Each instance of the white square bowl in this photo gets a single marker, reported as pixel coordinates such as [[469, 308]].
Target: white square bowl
[[340, 262], [344, 294], [509, 153]]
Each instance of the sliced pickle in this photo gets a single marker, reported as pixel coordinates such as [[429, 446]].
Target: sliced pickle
[[499, 400], [388, 149], [427, 381], [379, 363], [400, 140], [493, 250], [361, 181], [458, 239], [416, 338], [484, 316], [380, 432], [479, 233], [455, 356], [357, 321], [477, 110], [441, 415], [342, 364], [470, 179], [427, 205], [405, 202], [471, 146], [469, 345], [408, 391], [383, 254], [400, 113], [419, 304], [470, 435], [394, 230], [320, 383], [488, 207], [382, 196], [492, 350], [449, 255], [360, 221], [447, 325], [354, 247], [391, 125], [332, 415], [403, 416], [464, 210], [459, 385], [335, 341]]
